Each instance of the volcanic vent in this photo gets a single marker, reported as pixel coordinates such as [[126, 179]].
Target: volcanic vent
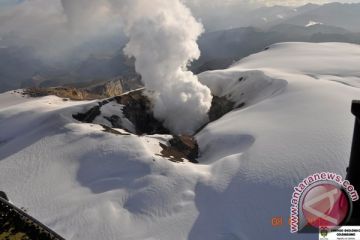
[[133, 114]]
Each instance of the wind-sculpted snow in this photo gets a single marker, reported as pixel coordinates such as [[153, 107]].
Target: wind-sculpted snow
[[242, 87], [89, 184]]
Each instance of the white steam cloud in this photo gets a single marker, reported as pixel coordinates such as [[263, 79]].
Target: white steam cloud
[[162, 38]]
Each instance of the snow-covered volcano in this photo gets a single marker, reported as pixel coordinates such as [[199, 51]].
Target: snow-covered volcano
[[293, 119]]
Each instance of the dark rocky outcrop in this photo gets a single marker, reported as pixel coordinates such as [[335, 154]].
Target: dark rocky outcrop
[[113, 131], [181, 148], [115, 121], [86, 91], [63, 92], [108, 89], [138, 109], [89, 116], [219, 107]]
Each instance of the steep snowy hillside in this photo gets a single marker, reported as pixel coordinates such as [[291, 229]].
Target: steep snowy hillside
[[222, 48], [292, 119]]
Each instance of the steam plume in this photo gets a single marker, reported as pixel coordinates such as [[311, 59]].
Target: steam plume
[[162, 37]]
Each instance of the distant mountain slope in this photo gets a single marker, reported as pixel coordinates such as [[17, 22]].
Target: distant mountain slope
[[219, 50], [22, 66], [237, 16], [344, 15], [336, 14], [222, 48], [238, 35], [16, 64]]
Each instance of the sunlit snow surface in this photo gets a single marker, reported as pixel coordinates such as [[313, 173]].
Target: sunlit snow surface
[[88, 184]]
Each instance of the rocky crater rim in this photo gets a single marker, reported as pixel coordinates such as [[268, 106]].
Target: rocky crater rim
[[133, 113]]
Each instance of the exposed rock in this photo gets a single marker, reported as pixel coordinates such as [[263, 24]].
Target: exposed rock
[[107, 89], [89, 116], [181, 148], [130, 83], [62, 92], [115, 121], [219, 107], [113, 131], [86, 91], [138, 109]]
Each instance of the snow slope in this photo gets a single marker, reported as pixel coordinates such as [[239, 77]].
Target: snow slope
[[89, 184]]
